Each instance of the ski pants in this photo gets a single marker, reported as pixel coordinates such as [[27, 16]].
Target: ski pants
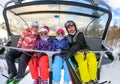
[[39, 67], [57, 65], [22, 63], [87, 66]]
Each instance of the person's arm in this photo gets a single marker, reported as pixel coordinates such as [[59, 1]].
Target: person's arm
[[21, 39], [50, 45], [80, 43], [53, 46], [37, 44], [67, 44]]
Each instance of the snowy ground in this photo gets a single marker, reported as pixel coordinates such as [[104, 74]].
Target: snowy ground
[[109, 72]]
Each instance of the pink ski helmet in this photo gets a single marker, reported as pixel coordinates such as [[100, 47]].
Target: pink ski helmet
[[60, 30]]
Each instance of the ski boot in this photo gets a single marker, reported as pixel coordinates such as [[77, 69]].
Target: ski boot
[[10, 78], [13, 81], [44, 82], [36, 82]]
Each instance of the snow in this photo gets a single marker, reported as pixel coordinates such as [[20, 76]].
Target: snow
[[3, 70], [110, 72], [3, 34]]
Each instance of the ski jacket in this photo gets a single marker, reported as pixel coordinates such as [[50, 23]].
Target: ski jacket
[[27, 40], [59, 44], [44, 45], [77, 42]]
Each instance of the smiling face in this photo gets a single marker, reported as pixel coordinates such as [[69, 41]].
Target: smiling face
[[35, 29], [44, 34], [59, 34]]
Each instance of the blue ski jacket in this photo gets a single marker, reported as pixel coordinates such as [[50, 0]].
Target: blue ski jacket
[[60, 44]]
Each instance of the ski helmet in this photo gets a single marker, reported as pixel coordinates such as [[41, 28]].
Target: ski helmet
[[35, 23], [60, 30], [70, 23], [44, 29]]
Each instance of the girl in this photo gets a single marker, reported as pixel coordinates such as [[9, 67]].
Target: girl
[[59, 43], [39, 66]]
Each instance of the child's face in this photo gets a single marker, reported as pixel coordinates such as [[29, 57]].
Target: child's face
[[35, 29], [60, 34], [44, 34]]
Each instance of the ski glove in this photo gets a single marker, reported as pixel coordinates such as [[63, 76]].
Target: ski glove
[[65, 54], [86, 51], [18, 49]]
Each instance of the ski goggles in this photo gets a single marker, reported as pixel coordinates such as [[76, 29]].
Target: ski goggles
[[43, 33], [69, 24], [60, 34]]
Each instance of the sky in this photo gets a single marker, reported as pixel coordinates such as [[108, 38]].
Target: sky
[[114, 4]]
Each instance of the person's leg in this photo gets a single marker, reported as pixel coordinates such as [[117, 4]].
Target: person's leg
[[33, 68], [66, 73], [92, 64], [82, 67], [56, 68], [43, 64], [10, 59], [22, 64]]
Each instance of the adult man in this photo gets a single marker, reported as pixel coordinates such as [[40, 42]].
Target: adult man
[[87, 63], [26, 41], [75, 38]]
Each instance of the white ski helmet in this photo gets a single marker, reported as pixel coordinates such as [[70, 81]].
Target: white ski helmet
[[35, 23]]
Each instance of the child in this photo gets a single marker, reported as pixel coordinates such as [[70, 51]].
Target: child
[[39, 66], [26, 41], [59, 43]]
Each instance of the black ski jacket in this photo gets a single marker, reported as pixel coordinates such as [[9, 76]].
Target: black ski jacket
[[77, 42]]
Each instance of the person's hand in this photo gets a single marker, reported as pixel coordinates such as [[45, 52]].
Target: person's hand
[[18, 50], [65, 54], [86, 51]]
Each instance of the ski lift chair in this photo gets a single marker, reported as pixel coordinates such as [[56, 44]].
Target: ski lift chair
[[25, 11]]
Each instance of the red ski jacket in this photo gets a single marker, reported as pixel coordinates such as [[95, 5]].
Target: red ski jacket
[[27, 39]]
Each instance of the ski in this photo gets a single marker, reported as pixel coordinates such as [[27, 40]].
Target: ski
[[4, 76], [105, 82], [13, 80]]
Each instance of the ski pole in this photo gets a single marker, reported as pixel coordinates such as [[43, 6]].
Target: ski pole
[[73, 76], [4, 76]]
